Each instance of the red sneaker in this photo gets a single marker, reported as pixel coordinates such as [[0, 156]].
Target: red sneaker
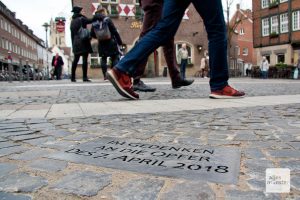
[[122, 83], [227, 93]]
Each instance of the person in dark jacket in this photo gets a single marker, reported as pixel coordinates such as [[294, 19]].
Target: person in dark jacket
[[80, 47], [57, 63], [107, 48]]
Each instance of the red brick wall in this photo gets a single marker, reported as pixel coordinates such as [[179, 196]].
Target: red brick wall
[[259, 13]]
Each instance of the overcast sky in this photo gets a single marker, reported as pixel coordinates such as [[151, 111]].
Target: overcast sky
[[34, 13]]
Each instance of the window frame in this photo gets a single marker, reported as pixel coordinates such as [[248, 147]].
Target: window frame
[[267, 27], [298, 20], [286, 16]]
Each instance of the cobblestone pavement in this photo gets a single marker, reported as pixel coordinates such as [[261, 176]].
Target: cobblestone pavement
[[268, 137]]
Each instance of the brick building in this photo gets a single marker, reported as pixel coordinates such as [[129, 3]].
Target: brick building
[[242, 52], [277, 30], [127, 17], [17, 41]]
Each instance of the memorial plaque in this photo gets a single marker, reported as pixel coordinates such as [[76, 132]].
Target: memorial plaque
[[193, 162]]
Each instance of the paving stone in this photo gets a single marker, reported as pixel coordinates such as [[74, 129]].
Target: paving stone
[[36, 121], [246, 137], [293, 165], [22, 182], [144, 188], [26, 137], [61, 145], [30, 155], [295, 145], [256, 184], [12, 150], [83, 183], [8, 144], [253, 153], [57, 133], [3, 140], [43, 126], [216, 164], [79, 137], [49, 165], [39, 141], [257, 168], [189, 191], [249, 195], [9, 134], [8, 196], [6, 168], [285, 153], [295, 182]]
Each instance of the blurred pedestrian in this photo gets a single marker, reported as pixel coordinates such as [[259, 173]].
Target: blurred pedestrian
[[152, 14], [264, 67], [108, 47], [211, 12], [183, 56], [81, 47], [57, 64]]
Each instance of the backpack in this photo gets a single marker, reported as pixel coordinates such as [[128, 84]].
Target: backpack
[[101, 29]]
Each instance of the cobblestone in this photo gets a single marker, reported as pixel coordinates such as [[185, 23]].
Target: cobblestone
[[147, 189], [83, 183], [267, 135]]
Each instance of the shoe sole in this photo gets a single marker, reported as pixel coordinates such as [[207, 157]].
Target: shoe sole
[[215, 96], [177, 87], [134, 89], [117, 86]]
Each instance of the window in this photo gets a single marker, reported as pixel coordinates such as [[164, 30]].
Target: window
[[242, 31], [5, 25], [284, 23], [1, 23], [238, 50], [282, 1], [245, 51], [280, 58], [178, 46], [296, 20], [274, 24], [264, 3], [265, 27], [111, 6]]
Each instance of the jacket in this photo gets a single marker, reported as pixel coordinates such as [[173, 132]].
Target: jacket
[[109, 47], [79, 46], [59, 63]]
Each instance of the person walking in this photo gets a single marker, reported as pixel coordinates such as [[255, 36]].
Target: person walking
[[211, 12], [264, 68], [57, 63], [152, 14], [183, 55], [81, 48], [108, 47]]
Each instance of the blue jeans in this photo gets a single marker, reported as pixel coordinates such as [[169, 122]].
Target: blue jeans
[[211, 12], [264, 74], [183, 67]]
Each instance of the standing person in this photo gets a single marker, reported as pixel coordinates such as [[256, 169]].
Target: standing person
[[57, 63], [80, 47], [152, 14], [109, 47], [183, 55], [264, 67], [211, 12]]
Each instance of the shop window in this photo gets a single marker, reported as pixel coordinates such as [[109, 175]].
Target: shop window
[[280, 58]]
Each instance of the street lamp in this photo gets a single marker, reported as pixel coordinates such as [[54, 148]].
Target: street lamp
[[46, 26]]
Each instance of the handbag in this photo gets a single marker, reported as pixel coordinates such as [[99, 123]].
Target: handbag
[[84, 33]]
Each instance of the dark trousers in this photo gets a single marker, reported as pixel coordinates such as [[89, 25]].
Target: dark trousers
[[57, 72], [211, 12], [84, 66], [183, 68], [152, 14], [114, 60]]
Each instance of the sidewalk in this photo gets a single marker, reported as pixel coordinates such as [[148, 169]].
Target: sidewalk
[[82, 141]]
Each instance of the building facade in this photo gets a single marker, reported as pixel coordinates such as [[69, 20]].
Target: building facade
[[57, 32], [17, 41], [277, 30], [242, 53], [127, 17]]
